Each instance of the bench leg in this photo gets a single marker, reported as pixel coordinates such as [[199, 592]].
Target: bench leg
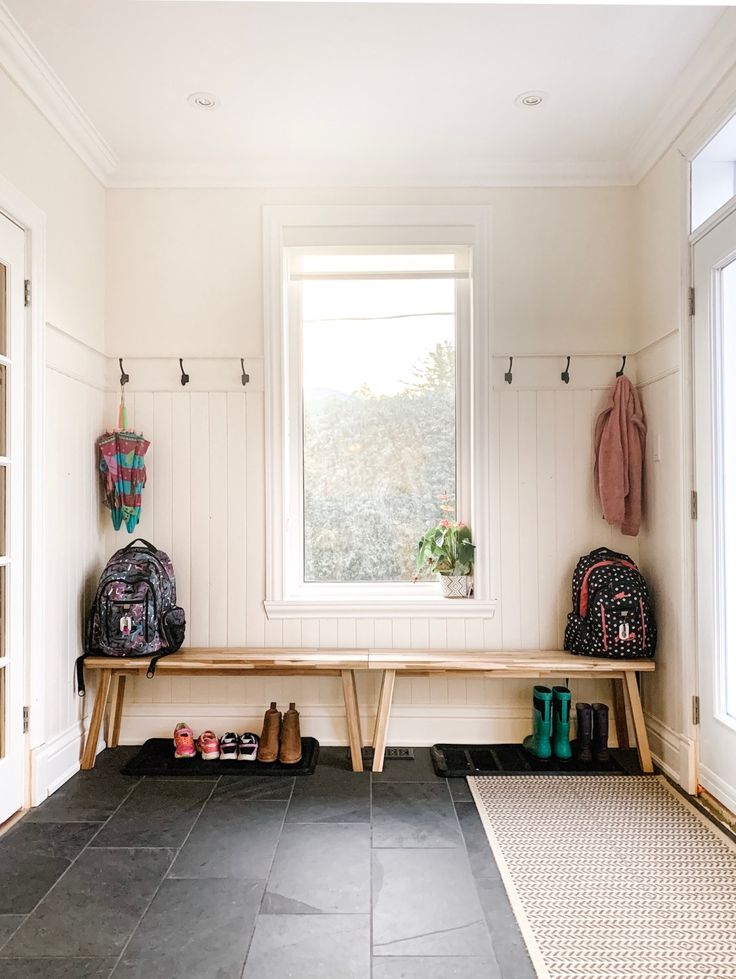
[[352, 716], [118, 699], [98, 713], [619, 714], [637, 714], [383, 716]]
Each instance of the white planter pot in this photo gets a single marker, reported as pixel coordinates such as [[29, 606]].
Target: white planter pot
[[456, 585]]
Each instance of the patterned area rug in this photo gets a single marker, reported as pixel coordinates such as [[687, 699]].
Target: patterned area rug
[[612, 878]]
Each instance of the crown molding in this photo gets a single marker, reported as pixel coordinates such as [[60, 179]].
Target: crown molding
[[33, 75], [715, 57]]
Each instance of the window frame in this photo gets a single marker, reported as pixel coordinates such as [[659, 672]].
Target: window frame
[[416, 228]]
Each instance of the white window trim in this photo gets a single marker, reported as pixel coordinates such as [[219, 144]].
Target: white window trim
[[458, 225]]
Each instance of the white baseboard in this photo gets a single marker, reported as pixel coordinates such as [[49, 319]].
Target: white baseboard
[[673, 752], [720, 790], [416, 725], [55, 761]]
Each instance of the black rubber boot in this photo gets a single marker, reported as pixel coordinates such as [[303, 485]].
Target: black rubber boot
[[584, 742], [600, 732]]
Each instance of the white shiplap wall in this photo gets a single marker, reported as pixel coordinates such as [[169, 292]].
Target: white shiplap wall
[[205, 505]]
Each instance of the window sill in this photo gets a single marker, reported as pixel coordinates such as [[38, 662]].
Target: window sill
[[430, 608]]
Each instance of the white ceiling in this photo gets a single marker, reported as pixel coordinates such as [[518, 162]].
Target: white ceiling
[[351, 94]]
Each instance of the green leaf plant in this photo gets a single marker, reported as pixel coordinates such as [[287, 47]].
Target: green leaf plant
[[446, 548]]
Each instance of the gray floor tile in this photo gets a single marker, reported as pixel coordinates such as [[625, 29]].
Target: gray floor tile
[[8, 924], [88, 796], [414, 814], [460, 790], [419, 770], [310, 947], [436, 967], [334, 794], [32, 858], [508, 944], [42, 968], [482, 861], [95, 908], [193, 931], [159, 812], [425, 903], [320, 868], [255, 788], [232, 839]]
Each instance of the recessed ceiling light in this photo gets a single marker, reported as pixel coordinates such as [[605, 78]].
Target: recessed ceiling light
[[530, 98], [203, 100]]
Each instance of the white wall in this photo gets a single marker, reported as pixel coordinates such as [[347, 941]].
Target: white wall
[[184, 279], [39, 163]]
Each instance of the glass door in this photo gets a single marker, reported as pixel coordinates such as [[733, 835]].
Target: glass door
[[12, 740], [714, 376]]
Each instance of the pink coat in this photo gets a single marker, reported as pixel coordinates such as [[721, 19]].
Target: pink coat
[[620, 440]]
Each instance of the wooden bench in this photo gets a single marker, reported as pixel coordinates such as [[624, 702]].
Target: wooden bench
[[534, 664], [224, 662]]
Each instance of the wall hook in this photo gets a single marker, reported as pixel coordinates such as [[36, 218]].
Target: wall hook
[[565, 375], [508, 376], [620, 373], [244, 378], [124, 378], [184, 376]]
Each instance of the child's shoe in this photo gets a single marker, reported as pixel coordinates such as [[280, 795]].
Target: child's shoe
[[229, 747], [208, 746], [247, 746], [184, 741]]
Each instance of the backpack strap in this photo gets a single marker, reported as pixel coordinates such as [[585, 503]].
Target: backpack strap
[[583, 608], [79, 667], [141, 540], [152, 665]]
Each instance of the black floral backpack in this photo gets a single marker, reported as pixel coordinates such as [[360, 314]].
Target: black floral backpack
[[612, 612], [134, 612]]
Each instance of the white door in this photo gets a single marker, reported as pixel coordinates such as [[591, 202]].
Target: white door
[[12, 681], [714, 379]]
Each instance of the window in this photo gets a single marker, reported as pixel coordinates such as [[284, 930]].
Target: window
[[374, 411], [713, 175]]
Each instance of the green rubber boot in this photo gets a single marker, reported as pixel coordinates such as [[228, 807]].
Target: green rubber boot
[[561, 723], [538, 743]]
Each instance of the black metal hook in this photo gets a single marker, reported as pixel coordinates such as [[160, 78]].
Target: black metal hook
[[244, 378], [184, 376], [620, 373], [565, 375], [508, 376], [124, 378]]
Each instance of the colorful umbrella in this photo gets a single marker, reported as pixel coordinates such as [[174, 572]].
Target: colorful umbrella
[[123, 473]]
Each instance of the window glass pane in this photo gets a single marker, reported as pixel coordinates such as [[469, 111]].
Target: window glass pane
[[379, 423], [3, 414], [728, 448], [378, 262], [3, 513], [3, 310]]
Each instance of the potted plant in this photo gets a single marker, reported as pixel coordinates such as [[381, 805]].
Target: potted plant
[[447, 549]]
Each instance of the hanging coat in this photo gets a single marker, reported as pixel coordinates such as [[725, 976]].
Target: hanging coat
[[123, 474], [620, 441]]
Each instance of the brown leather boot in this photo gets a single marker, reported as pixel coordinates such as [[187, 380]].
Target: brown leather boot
[[291, 738], [268, 748]]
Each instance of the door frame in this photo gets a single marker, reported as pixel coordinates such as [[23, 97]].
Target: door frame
[[20, 209]]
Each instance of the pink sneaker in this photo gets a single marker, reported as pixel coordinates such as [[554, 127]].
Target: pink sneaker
[[184, 741], [208, 746]]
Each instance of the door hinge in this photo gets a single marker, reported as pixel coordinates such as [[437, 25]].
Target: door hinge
[[694, 505], [696, 709], [691, 300], [26, 717], [27, 292]]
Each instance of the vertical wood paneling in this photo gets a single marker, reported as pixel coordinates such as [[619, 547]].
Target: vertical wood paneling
[[527, 522], [160, 490], [219, 532], [546, 524], [237, 523], [181, 502], [255, 508], [199, 478], [509, 449]]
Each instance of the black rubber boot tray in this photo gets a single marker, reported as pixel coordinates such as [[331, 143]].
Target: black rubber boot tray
[[461, 760], [156, 757]]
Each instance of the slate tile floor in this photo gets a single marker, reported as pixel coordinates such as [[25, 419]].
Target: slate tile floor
[[334, 876]]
